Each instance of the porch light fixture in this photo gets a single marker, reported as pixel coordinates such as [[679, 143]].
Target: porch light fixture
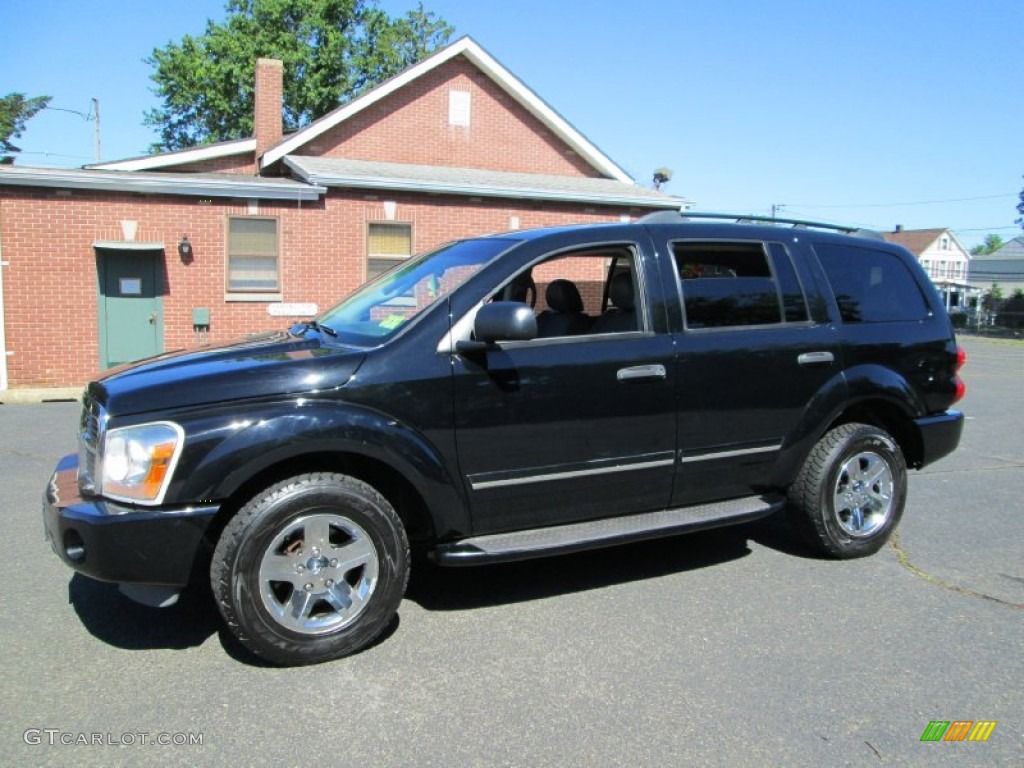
[[185, 249]]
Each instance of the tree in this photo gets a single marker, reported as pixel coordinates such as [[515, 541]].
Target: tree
[[993, 298], [1012, 311], [1020, 209], [992, 244], [332, 51], [15, 111]]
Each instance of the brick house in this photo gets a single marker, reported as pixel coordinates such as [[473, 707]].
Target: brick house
[[122, 260]]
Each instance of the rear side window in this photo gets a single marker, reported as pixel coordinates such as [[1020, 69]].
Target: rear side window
[[737, 284], [871, 286]]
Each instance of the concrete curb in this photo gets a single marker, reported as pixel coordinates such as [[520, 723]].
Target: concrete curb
[[44, 395]]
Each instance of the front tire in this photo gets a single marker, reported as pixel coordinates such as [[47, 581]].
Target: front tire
[[311, 569], [849, 495]]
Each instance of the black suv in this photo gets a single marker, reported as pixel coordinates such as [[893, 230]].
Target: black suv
[[514, 396]]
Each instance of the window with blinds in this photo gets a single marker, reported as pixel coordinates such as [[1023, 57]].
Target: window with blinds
[[387, 244], [253, 255]]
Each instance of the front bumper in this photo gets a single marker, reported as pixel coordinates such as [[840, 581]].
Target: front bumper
[[122, 544], [940, 435]]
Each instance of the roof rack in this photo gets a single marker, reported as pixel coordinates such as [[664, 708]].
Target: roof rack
[[675, 217]]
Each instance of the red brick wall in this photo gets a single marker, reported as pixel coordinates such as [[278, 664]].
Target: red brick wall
[[411, 126], [50, 284]]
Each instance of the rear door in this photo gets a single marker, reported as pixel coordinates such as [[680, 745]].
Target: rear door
[[751, 356]]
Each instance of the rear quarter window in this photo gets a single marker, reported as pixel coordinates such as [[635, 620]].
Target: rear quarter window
[[871, 285]]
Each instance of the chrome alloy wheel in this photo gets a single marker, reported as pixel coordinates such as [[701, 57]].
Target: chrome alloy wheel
[[318, 573], [863, 498]]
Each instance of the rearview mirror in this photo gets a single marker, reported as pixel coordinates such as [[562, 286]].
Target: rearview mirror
[[500, 321]]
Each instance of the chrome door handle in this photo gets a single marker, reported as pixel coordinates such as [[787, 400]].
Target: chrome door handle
[[641, 372], [816, 358]]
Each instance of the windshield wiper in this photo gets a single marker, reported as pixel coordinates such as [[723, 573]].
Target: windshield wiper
[[313, 325]]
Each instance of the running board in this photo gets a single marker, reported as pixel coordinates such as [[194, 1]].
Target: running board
[[540, 542]]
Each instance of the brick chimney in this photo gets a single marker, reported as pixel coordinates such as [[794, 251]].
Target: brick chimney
[[269, 105]]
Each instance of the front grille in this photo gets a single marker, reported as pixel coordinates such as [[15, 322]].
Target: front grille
[[90, 436]]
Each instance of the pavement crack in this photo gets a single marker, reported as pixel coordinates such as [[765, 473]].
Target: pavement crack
[[904, 559], [22, 454], [971, 470]]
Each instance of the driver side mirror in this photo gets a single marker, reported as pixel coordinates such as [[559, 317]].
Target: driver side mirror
[[500, 321]]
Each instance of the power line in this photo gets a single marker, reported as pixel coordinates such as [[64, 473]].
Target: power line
[[896, 205], [985, 229]]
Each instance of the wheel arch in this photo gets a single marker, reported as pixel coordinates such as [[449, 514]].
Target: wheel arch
[[232, 463], [887, 415], [868, 394]]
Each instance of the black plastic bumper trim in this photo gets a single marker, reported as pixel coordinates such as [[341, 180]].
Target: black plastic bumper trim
[[109, 542], [940, 435]]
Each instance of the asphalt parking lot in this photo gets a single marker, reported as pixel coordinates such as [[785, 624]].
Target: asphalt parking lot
[[733, 647]]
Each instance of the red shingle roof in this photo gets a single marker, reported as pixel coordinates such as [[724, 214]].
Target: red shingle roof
[[914, 240]]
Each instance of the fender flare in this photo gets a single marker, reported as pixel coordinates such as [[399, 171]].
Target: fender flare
[[228, 452], [847, 389]]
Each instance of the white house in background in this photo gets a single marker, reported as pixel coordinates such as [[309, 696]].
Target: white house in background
[[943, 257]]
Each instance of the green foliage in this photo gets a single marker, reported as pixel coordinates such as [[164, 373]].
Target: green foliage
[[332, 51], [1012, 312], [992, 244], [15, 111], [993, 298], [1020, 209]]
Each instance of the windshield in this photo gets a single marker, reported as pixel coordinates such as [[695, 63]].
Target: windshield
[[381, 307]]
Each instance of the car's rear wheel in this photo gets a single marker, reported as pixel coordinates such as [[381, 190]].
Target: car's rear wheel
[[849, 495], [311, 569]]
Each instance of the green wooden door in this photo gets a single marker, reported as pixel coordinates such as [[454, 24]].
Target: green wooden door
[[131, 305]]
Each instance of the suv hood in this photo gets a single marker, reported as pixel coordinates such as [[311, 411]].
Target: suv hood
[[273, 364]]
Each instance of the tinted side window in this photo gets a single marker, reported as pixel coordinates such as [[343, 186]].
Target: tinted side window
[[871, 286], [734, 284]]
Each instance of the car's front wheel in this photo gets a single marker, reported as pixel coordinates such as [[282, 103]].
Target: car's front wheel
[[311, 569], [849, 495]]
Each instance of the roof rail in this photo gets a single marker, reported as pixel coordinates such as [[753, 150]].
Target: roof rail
[[675, 217]]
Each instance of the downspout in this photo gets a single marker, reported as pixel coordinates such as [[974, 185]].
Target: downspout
[[3, 314]]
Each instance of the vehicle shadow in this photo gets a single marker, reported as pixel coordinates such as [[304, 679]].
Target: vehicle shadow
[[776, 532], [122, 623], [113, 618], [117, 621], [455, 589]]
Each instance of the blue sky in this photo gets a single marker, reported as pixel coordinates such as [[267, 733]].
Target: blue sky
[[869, 113]]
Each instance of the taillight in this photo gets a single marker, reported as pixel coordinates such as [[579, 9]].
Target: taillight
[[961, 388]]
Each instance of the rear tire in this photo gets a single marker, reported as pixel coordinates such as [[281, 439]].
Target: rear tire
[[849, 495], [311, 569]]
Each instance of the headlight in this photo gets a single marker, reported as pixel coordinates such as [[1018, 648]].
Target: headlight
[[138, 461]]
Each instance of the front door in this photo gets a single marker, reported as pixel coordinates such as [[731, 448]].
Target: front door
[[572, 426], [130, 305]]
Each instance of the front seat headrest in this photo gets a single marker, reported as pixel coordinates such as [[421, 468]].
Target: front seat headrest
[[563, 296]]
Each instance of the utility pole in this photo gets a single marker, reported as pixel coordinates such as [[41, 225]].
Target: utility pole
[[96, 118], [93, 116]]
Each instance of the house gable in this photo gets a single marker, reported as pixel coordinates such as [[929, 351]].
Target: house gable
[[940, 252], [487, 68], [413, 125]]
